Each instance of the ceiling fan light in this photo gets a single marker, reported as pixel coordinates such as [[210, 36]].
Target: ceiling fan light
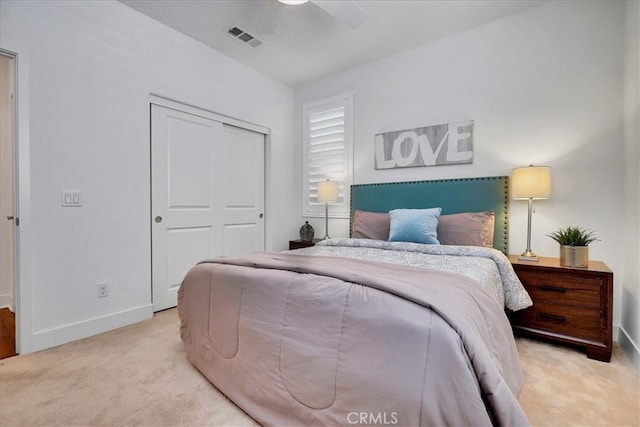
[[293, 2]]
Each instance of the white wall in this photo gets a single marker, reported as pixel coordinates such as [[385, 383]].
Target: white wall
[[6, 183], [630, 324], [543, 87], [92, 66]]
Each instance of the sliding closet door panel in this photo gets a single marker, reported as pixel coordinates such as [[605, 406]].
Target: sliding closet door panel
[[183, 195], [244, 191], [207, 195]]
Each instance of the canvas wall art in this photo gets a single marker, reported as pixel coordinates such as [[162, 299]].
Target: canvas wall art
[[436, 145]]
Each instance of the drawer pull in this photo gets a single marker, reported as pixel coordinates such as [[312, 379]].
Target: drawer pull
[[552, 317], [553, 288]]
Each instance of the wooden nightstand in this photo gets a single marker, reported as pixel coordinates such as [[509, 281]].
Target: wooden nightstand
[[570, 305], [298, 244]]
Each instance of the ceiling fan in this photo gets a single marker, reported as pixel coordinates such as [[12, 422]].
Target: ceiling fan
[[346, 11]]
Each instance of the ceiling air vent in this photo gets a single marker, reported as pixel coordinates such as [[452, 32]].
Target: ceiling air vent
[[243, 36]]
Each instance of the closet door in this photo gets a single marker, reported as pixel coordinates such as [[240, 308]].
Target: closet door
[[243, 187], [207, 195]]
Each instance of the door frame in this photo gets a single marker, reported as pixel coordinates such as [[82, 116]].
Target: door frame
[[162, 101], [23, 302]]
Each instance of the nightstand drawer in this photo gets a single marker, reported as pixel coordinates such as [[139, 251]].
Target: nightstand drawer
[[562, 289], [572, 321]]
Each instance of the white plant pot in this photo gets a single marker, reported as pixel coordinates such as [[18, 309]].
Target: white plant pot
[[574, 256]]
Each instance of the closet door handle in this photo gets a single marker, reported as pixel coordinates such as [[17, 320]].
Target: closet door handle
[[158, 219], [10, 217]]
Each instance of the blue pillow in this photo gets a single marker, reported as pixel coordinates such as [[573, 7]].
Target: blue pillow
[[414, 225]]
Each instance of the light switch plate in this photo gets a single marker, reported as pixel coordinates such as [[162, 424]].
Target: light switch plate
[[71, 198]]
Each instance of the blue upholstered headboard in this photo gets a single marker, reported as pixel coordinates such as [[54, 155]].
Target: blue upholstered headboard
[[452, 195]]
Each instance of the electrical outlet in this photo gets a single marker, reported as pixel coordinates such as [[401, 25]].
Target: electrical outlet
[[103, 289]]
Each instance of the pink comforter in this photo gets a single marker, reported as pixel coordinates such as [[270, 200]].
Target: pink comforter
[[299, 340]]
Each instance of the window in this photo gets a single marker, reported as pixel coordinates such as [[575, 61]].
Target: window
[[327, 153]]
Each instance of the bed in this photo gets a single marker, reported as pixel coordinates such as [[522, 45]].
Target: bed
[[367, 331]]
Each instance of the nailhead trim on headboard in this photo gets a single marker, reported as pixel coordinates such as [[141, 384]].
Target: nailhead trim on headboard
[[371, 197]]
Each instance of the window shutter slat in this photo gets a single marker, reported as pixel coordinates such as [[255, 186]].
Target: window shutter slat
[[326, 115]]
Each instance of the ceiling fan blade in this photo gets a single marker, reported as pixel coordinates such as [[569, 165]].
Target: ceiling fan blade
[[268, 20], [347, 11]]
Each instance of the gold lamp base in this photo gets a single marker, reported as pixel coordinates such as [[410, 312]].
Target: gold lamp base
[[528, 256]]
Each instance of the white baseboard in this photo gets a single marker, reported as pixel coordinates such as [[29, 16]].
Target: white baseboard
[[6, 301], [67, 333], [630, 348]]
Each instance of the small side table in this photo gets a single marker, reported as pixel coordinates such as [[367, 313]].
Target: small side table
[[570, 305], [299, 244]]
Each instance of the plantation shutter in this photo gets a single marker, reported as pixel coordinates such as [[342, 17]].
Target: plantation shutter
[[327, 137]]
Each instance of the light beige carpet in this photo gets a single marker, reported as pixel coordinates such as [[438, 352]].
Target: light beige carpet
[[139, 375]]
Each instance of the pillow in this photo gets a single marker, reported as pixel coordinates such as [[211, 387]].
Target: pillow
[[468, 229], [414, 225], [370, 225]]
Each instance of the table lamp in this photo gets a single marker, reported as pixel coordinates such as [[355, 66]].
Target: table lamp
[[327, 193], [530, 183]]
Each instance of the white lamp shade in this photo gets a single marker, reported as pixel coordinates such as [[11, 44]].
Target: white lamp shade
[[328, 191], [531, 182]]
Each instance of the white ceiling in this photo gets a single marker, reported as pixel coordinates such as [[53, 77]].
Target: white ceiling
[[308, 43]]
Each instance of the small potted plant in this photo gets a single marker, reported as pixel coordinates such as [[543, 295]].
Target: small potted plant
[[574, 245]]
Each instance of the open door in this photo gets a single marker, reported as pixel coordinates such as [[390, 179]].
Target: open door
[[8, 219]]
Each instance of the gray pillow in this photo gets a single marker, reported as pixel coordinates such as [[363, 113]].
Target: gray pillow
[[467, 229], [370, 225]]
